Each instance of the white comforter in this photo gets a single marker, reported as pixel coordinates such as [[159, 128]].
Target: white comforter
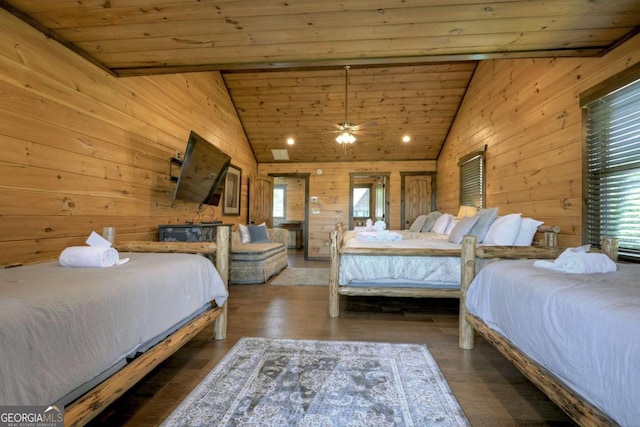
[[59, 327], [411, 270], [581, 327]]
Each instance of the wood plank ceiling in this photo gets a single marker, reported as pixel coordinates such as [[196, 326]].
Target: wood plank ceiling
[[283, 61]]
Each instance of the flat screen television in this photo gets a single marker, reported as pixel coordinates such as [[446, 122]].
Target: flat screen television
[[202, 173]]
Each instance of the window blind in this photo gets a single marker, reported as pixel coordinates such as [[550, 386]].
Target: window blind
[[613, 169], [472, 180]]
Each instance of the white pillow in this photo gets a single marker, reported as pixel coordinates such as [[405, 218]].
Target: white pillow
[[245, 237], [451, 225], [528, 228], [504, 230], [441, 224], [463, 227]]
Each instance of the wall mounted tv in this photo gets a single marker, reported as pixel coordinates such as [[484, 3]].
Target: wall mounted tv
[[204, 167]]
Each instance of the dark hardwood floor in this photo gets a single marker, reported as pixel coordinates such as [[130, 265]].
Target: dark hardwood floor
[[489, 389]]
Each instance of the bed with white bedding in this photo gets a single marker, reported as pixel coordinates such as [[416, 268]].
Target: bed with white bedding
[[578, 330], [398, 271], [417, 267], [65, 330]]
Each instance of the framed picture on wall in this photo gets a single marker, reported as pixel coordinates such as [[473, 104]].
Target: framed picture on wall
[[232, 188]]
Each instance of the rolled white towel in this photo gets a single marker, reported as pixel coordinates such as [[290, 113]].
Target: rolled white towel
[[89, 256], [588, 263], [558, 263]]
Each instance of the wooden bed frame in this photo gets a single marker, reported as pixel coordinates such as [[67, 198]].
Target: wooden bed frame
[[86, 407], [581, 411], [468, 255]]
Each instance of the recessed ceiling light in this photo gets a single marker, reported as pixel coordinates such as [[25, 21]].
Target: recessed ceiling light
[[406, 138], [291, 141]]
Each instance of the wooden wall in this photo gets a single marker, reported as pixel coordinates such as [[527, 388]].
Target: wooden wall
[[82, 149], [295, 202], [527, 114], [332, 190]]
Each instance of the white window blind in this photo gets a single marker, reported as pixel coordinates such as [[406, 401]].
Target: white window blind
[[613, 169], [472, 180]]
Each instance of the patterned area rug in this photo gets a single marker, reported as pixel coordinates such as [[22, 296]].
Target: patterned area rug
[[280, 382], [302, 277]]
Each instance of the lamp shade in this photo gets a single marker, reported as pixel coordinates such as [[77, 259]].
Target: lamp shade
[[466, 211], [346, 138]]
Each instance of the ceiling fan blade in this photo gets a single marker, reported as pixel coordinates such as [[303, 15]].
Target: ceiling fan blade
[[332, 124], [367, 133], [364, 125]]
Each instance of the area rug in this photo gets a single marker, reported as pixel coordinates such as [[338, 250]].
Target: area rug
[[282, 382], [302, 277]]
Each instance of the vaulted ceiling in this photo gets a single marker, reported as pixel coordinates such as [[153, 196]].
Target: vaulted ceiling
[[283, 60]]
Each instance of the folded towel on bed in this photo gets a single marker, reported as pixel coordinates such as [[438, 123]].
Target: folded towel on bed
[[90, 256], [587, 263], [579, 261]]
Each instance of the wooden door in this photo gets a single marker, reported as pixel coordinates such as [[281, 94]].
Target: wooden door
[[261, 204], [418, 196]]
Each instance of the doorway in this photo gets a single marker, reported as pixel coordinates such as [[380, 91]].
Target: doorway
[[291, 208], [368, 198], [417, 196]]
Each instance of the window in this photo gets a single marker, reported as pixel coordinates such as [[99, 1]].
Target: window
[[472, 180], [362, 202], [279, 201], [612, 168]]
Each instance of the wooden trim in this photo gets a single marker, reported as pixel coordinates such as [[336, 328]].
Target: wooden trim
[[353, 62], [92, 403], [581, 411]]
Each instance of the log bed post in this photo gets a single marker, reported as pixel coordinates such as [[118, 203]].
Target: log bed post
[[222, 265], [467, 273], [334, 271], [609, 246]]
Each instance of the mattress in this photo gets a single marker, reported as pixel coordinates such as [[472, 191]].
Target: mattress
[[62, 327], [580, 327]]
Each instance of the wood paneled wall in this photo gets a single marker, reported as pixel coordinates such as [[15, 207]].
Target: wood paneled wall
[[527, 113], [332, 190], [82, 149], [295, 201]]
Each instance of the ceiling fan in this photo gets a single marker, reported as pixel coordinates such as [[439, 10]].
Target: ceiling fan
[[346, 129]]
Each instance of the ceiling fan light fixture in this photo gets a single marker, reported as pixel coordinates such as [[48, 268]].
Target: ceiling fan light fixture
[[346, 137]]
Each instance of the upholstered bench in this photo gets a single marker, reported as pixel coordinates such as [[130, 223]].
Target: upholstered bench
[[257, 262]]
